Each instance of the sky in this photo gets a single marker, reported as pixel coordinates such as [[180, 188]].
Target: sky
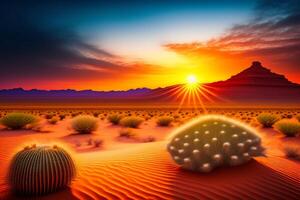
[[119, 45]]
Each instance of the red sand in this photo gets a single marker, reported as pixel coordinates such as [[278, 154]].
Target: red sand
[[132, 170]]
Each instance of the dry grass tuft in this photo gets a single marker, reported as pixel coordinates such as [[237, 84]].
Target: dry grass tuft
[[127, 133], [288, 127], [131, 122], [164, 121], [114, 119], [267, 119], [84, 124], [54, 120], [18, 120]]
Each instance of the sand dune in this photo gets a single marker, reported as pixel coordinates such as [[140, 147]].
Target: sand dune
[[146, 172]]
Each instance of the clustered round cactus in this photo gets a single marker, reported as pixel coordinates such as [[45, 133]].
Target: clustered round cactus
[[212, 141], [39, 170]]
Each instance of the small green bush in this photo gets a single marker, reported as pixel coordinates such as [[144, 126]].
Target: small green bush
[[164, 121], [267, 119], [84, 124], [132, 122], [18, 120], [114, 119], [288, 127]]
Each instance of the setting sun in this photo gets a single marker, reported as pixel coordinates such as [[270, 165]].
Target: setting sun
[[191, 79]]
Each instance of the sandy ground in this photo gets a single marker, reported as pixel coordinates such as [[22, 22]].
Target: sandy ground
[[130, 169]]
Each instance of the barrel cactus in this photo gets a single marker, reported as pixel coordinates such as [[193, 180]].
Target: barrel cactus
[[39, 170], [212, 141]]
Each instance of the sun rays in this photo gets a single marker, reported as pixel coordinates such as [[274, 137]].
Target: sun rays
[[192, 94]]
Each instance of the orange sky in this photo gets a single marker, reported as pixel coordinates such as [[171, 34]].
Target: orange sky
[[134, 44], [207, 67]]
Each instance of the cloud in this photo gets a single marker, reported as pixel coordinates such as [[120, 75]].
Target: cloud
[[31, 49], [273, 35]]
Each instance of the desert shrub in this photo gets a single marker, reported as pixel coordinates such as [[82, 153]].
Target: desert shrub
[[84, 124], [132, 122], [62, 116], [298, 117], [289, 116], [114, 119], [288, 127], [176, 116], [18, 120], [127, 132], [96, 114], [267, 119], [292, 152], [49, 115], [98, 143], [212, 141], [90, 141], [36, 170], [164, 121], [149, 139], [54, 120]]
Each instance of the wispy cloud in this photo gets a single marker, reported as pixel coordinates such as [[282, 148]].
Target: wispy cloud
[[30, 52], [273, 35]]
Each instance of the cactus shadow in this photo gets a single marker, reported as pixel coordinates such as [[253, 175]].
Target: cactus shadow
[[230, 183], [14, 133], [62, 194]]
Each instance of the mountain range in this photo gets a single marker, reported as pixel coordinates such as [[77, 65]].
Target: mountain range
[[254, 85]]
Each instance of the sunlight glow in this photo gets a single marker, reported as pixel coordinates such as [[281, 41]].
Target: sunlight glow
[[192, 94], [192, 83], [192, 79]]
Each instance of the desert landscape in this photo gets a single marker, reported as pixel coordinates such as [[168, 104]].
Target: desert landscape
[[115, 162], [164, 100]]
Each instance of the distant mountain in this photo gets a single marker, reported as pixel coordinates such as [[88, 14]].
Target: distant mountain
[[258, 85], [257, 75], [255, 85], [68, 93]]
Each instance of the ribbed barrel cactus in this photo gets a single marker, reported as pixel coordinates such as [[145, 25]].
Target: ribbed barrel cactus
[[212, 141], [39, 170]]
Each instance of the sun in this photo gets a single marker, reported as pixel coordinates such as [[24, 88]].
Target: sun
[[191, 79], [191, 82]]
